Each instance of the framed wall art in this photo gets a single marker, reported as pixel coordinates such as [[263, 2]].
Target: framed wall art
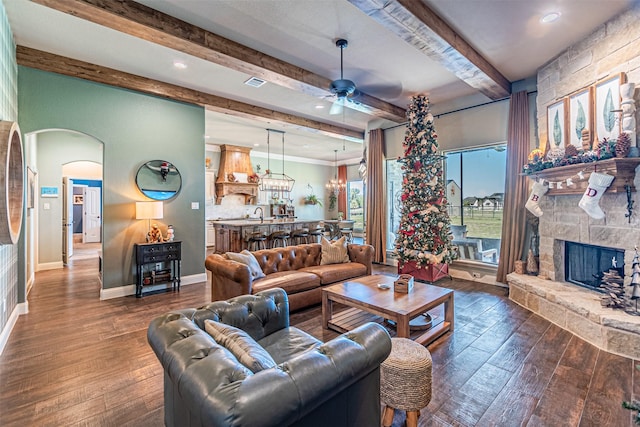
[[580, 116], [78, 199], [607, 119], [556, 125]]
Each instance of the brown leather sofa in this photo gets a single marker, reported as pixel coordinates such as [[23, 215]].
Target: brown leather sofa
[[296, 269]]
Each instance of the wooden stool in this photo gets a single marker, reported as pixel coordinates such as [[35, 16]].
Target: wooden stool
[[256, 241], [405, 380], [278, 239], [316, 234], [300, 236]]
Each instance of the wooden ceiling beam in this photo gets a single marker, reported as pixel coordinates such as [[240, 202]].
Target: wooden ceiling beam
[[151, 25], [71, 67], [422, 28]]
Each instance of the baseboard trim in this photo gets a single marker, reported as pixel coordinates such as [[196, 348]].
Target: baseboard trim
[[128, 290], [50, 265], [22, 308]]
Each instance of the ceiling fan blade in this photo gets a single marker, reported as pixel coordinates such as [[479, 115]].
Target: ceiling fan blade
[[337, 106]]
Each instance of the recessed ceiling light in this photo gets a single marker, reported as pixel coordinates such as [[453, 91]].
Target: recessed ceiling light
[[256, 145], [319, 106], [179, 65], [207, 137], [550, 17]]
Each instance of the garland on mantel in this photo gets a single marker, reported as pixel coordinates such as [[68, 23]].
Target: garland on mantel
[[537, 162], [606, 149]]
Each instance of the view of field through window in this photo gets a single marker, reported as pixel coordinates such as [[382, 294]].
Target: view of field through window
[[474, 181], [355, 191]]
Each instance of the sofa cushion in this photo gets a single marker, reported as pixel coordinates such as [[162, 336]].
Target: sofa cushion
[[337, 272], [245, 257], [241, 345], [291, 281], [334, 252], [288, 343]]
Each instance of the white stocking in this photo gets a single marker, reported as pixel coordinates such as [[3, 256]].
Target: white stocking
[[538, 190], [598, 184]]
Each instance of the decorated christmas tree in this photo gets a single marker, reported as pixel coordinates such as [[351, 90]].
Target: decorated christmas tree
[[423, 236]]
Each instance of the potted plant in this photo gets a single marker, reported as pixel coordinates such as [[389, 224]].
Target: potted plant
[[333, 198], [312, 199]]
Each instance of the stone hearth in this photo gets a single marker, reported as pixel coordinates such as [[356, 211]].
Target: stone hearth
[[579, 311]]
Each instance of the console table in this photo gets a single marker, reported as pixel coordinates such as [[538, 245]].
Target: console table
[[157, 263]]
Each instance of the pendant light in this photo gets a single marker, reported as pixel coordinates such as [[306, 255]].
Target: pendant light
[[335, 185], [278, 184]]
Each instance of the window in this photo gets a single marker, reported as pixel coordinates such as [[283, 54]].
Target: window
[[355, 204], [475, 195], [474, 186], [394, 210]]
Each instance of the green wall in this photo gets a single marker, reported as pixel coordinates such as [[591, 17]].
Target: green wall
[[134, 128]]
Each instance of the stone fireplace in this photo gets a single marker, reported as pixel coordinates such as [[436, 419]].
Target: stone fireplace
[[571, 306], [613, 48], [584, 265]]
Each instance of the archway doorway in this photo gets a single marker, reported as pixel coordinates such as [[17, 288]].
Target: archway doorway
[[62, 162]]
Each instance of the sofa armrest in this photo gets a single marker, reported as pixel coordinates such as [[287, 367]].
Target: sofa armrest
[[228, 278], [363, 254]]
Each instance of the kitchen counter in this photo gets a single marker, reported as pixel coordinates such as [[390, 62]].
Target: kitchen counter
[[231, 235], [256, 221]]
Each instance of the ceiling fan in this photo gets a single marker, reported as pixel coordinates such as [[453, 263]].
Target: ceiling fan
[[343, 89]]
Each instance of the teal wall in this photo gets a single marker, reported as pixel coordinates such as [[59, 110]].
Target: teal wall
[[8, 112], [134, 128]]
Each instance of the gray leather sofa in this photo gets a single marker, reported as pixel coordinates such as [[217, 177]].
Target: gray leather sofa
[[333, 384]]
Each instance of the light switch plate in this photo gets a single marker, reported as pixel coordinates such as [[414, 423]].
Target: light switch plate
[[195, 205]]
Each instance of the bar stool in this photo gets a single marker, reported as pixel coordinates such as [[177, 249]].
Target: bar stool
[[279, 238], [346, 229], [300, 236], [256, 240], [316, 234]]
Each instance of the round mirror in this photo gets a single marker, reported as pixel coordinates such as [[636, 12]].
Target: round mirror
[[159, 180]]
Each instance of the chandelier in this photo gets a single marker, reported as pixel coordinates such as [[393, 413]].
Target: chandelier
[[335, 185], [278, 184]]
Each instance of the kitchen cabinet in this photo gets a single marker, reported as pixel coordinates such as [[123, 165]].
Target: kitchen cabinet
[[210, 234]]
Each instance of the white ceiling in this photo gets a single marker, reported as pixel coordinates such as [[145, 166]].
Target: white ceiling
[[303, 32]]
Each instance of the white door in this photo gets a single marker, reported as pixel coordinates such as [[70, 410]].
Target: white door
[[67, 219], [91, 215]]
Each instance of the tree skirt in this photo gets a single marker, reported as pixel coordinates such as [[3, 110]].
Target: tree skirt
[[428, 273]]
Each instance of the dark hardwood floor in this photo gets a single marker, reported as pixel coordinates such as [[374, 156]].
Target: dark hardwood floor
[[76, 360]]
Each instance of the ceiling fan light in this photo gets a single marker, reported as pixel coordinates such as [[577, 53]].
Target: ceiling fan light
[[342, 87]]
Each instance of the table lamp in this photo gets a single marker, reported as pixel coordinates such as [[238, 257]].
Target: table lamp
[[149, 211]]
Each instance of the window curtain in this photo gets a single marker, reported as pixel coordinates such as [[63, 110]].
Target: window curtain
[[342, 197], [376, 219], [514, 217]]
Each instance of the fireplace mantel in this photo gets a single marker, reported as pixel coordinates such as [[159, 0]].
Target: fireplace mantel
[[624, 169]]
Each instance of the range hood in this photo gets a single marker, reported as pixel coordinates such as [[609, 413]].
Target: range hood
[[235, 165]]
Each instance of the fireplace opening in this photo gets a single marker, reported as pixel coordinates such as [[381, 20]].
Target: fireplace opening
[[584, 264]]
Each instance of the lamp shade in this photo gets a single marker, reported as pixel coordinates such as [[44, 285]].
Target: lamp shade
[[149, 210]]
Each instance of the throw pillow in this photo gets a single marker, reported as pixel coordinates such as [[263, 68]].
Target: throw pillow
[[245, 257], [334, 252], [241, 345]]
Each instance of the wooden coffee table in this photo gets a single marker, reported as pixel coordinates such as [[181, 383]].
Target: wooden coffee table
[[370, 303]]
